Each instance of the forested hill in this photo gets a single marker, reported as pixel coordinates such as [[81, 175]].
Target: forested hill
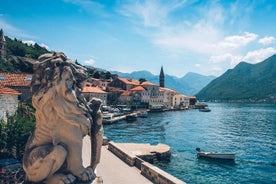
[[20, 56], [246, 82]]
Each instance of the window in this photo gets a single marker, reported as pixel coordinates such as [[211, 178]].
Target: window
[[2, 77], [29, 78]]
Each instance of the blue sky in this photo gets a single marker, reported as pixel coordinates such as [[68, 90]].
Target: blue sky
[[206, 37]]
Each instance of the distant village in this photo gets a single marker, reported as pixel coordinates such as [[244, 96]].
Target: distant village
[[116, 91]]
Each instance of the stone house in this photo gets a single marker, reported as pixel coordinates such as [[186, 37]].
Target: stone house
[[152, 94], [125, 98], [102, 83], [8, 101], [89, 91], [124, 83], [181, 101], [18, 82], [168, 95]]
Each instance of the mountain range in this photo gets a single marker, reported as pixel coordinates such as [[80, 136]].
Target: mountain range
[[190, 84], [245, 82]]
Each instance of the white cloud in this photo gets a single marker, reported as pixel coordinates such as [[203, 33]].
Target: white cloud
[[221, 58], [29, 42], [236, 41], [266, 40], [259, 55], [32, 43], [227, 57], [253, 57], [44, 45], [90, 61], [151, 13], [197, 65]]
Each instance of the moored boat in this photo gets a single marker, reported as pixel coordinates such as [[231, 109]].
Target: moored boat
[[216, 155], [206, 109], [142, 114], [131, 117]]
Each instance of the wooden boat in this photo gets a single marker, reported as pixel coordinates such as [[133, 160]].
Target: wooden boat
[[216, 155]]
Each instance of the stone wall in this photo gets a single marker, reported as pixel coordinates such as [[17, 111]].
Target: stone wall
[[126, 157], [157, 175], [8, 104], [151, 172]]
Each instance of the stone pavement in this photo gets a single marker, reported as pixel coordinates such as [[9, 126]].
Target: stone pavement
[[111, 169]]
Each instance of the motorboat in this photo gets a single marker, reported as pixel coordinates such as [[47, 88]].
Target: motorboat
[[206, 109], [131, 117], [142, 114], [216, 155]]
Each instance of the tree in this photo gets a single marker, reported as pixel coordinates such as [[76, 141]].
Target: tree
[[141, 80], [108, 75], [2, 135], [17, 130], [97, 75]]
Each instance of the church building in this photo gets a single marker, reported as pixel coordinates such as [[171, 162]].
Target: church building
[[162, 78]]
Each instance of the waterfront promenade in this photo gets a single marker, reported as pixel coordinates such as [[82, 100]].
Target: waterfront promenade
[[113, 170], [130, 168]]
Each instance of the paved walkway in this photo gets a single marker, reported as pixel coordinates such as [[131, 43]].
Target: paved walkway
[[112, 169]]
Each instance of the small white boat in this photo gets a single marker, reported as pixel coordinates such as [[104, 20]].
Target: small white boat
[[206, 109], [216, 155]]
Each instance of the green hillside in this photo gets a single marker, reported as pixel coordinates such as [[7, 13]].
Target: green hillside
[[20, 59], [20, 56], [246, 82]]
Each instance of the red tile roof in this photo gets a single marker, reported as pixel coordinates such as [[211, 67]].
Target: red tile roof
[[147, 83], [13, 79], [167, 89], [138, 88], [6, 90], [129, 81], [92, 90], [180, 96], [126, 93]]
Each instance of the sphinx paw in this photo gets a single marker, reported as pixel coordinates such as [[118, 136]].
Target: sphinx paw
[[88, 175]]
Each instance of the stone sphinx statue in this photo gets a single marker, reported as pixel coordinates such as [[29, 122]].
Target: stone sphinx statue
[[53, 153]]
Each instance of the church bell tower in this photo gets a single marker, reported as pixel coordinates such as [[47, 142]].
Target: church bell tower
[[162, 78], [2, 45]]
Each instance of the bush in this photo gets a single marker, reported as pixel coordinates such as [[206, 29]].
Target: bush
[[16, 131]]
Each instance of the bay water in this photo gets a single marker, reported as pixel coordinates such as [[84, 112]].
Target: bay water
[[247, 129]]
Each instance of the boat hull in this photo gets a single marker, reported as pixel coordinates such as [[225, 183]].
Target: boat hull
[[217, 155]]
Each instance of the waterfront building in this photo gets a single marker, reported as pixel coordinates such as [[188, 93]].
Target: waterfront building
[[102, 83], [152, 94], [162, 78], [2, 45], [125, 98], [168, 95], [181, 101], [89, 91], [124, 83]]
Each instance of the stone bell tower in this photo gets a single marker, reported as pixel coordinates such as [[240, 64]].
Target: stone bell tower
[[162, 78], [2, 45]]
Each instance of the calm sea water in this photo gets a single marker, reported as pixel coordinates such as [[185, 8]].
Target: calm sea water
[[247, 129]]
